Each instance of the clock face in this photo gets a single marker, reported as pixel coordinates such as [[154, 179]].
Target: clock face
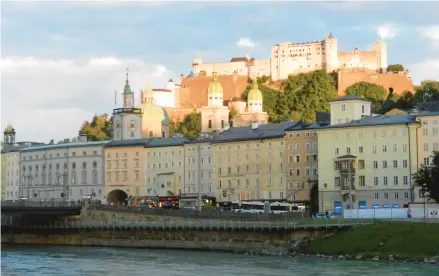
[[132, 126]]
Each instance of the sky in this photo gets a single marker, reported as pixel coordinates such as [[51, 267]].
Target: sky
[[63, 60]]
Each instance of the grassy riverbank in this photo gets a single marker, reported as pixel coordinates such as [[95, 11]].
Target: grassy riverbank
[[402, 240]]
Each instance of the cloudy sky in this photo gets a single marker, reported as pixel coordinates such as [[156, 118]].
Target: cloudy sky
[[63, 60]]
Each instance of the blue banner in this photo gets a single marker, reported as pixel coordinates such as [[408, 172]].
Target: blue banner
[[362, 204]]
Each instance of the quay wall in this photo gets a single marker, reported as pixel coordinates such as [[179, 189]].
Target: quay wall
[[268, 241]]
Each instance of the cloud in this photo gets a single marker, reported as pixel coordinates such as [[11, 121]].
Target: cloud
[[245, 42], [431, 33], [427, 69], [50, 98], [386, 31]]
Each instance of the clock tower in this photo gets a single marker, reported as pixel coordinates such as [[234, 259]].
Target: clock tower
[[127, 121]]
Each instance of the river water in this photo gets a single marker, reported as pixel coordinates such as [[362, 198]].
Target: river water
[[93, 261]]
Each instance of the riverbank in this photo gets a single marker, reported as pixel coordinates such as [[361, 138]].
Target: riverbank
[[388, 241]]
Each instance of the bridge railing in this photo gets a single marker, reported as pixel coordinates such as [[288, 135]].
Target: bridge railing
[[193, 224], [41, 204]]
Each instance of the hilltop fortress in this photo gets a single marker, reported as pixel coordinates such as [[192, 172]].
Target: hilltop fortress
[[293, 58]]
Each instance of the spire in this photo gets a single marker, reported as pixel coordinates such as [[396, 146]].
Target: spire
[[127, 88]]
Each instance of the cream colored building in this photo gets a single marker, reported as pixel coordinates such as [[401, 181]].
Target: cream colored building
[[249, 163], [381, 151], [301, 157], [199, 174], [65, 171], [253, 110], [125, 162], [165, 169], [214, 116], [288, 58]]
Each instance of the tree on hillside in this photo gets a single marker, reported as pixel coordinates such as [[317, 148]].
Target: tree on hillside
[[395, 68], [427, 91], [190, 127], [427, 177], [98, 129], [367, 90]]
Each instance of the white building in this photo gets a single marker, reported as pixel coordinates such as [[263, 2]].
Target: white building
[[12, 159], [65, 171]]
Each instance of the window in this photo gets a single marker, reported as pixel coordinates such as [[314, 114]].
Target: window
[[375, 181], [385, 181], [406, 195], [337, 182], [384, 148], [374, 149], [395, 180], [395, 163], [395, 147], [386, 195], [210, 124], [375, 164], [360, 149], [336, 151], [396, 195], [361, 164], [362, 180], [405, 163], [343, 107], [384, 164], [405, 180], [376, 196], [348, 150], [404, 148]]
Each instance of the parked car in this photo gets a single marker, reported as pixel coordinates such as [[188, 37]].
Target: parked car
[[190, 208], [324, 216]]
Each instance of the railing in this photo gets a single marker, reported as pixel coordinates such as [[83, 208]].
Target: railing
[[194, 224], [41, 204], [204, 214]]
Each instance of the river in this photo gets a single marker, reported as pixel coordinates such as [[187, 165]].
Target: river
[[93, 261]]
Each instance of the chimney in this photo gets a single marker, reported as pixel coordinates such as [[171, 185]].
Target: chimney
[[255, 125], [82, 138], [181, 78]]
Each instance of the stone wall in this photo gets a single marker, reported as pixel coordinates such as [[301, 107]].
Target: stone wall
[[123, 213], [274, 241], [398, 82]]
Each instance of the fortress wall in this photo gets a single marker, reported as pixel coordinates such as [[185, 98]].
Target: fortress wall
[[398, 82]]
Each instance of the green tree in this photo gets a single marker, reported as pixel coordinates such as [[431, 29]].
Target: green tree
[[427, 177], [190, 127], [367, 90], [427, 91], [98, 129], [395, 68]]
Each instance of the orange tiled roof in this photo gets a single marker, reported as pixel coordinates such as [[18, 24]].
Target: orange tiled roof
[[238, 59]]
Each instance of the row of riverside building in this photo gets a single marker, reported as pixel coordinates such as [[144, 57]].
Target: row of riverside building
[[291, 161]]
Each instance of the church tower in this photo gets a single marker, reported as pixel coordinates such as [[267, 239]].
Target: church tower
[[254, 98], [127, 120], [9, 135], [214, 116]]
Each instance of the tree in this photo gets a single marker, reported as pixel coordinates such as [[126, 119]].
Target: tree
[[395, 68], [190, 127], [98, 129], [427, 91], [427, 177], [367, 90]]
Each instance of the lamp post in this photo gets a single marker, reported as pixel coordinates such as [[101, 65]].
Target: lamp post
[[29, 178], [65, 193]]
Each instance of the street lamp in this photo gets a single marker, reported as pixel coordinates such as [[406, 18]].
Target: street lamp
[[65, 193], [29, 178]]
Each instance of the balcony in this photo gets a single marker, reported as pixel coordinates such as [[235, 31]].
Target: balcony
[[346, 170], [345, 188]]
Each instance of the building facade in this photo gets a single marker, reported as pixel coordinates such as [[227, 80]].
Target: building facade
[[67, 171], [198, 171], [354, 164], [11, 177], [249, 163], [125, 163], [301, 159]]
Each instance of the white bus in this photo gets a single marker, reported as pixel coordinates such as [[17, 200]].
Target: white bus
[[284, 207], [250, 207]]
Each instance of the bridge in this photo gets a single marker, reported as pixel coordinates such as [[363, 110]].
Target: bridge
[[60, 208]]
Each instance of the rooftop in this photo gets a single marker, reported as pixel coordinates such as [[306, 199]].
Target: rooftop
[[166, 142], [64, 145], [302, 126], [349, 98], [246, 133], [377, 121]]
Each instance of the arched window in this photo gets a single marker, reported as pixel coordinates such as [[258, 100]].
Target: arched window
[[222, 123], [95, 164], [84, 165], [95, 177], [210, 124]]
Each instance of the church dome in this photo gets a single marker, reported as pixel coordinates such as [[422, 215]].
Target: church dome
[[254, 94], [215, 86], [153, 113]]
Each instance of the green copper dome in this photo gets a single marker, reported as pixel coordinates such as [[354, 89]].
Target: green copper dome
[[254, 94], [215, 86]]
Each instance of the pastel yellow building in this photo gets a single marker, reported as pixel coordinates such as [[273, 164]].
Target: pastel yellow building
[[301, 156], [164, 167], [249, 163], [125, 170], [378, 152]]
